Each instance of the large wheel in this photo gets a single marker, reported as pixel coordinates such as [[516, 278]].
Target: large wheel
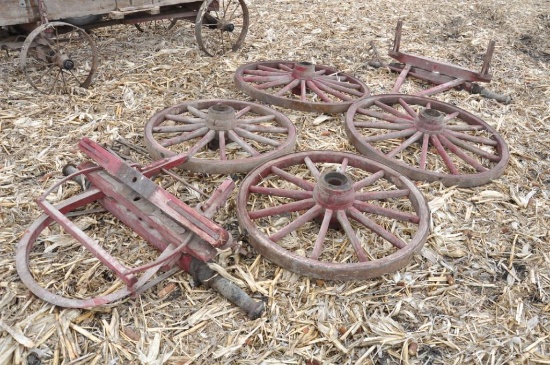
[[426, 139], [58, 56], [222, 136], [221, 26], [300, 85], [332, 215]]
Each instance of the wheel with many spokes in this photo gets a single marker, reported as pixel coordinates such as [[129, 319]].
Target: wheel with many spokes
[[332, 215], [426, 139]]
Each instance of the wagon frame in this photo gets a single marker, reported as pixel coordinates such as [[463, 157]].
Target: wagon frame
[[57, 51]]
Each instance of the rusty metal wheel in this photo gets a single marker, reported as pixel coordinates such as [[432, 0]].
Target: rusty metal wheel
[[63, 293], [300, 85], [58, 56], [221, 26], [221, 136], [332, 215], [427, 139], [156, 26]]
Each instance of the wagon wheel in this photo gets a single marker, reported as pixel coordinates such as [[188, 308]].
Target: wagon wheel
[[156, 26], [58, 56], [221, 136], [332, 215], [221, 26], [301, 86], [426, 139]]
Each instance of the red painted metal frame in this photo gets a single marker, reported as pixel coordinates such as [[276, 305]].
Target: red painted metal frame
[[186, 236], [444, 75]]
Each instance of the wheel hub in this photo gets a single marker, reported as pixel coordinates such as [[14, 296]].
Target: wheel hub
[[430, 121], [303, 70], [221, 117], [68, 65], [334, 191]]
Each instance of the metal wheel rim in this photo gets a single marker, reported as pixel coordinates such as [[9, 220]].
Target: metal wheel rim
[[22, 257], [226, 42], [242, 133], [476, 159], [63, 75], [311, 265], [300, 86]]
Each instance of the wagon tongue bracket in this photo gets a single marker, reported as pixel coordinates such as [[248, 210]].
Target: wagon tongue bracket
[[443, 75], [186, 237]]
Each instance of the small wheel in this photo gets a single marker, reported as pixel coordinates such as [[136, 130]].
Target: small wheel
[[426, 139], [221, 26], [332, 215], [156, 26], [300, 85], [58, 56], [221, 136]]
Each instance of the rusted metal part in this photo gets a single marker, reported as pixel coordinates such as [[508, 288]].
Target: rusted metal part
[[257, 134], [182, 234], [58, 56], [426, 139], [336, 189], [443, 75], [300, 85], [221, 26]]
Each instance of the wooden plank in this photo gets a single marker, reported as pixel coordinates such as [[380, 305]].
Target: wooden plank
[[61, 9], [18, 12]]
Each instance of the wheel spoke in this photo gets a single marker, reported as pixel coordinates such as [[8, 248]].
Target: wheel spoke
[[260, 72], [424, 151], [263, 129], [343, 165], [391, 110], [475, 139], [282, 66], [300, 221], [283, 209], [352, 236], [415, 137], [382, 125], [376, 228], [381, 195], [319, 242], [196, 112], [202, 143], [464, 128], [178, 128], [342, 84], [369, 180], [454, 149], [244, 145], [407, 107], [283, 193], [444, 155], [306, 185], [450, 117], [222, 147], [324, 97], [385, 212], [184, 137], [312, 168], [338, 93], [184, 119], [256, 137], [391, 135], [257, 120], [473, 149], [288, 87], [384, 116], [303, 90]]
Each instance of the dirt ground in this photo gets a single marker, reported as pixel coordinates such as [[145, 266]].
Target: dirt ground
[[477, 293]]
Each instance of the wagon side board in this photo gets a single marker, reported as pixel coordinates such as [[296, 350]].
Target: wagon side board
[[15, 12]]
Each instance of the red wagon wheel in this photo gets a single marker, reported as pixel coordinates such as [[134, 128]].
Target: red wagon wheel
[[426, 139], [332, 215], [221, 26], [301, 86], [57, 56], [221, 136]]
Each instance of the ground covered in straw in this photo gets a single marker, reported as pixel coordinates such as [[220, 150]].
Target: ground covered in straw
[[478, 292]]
